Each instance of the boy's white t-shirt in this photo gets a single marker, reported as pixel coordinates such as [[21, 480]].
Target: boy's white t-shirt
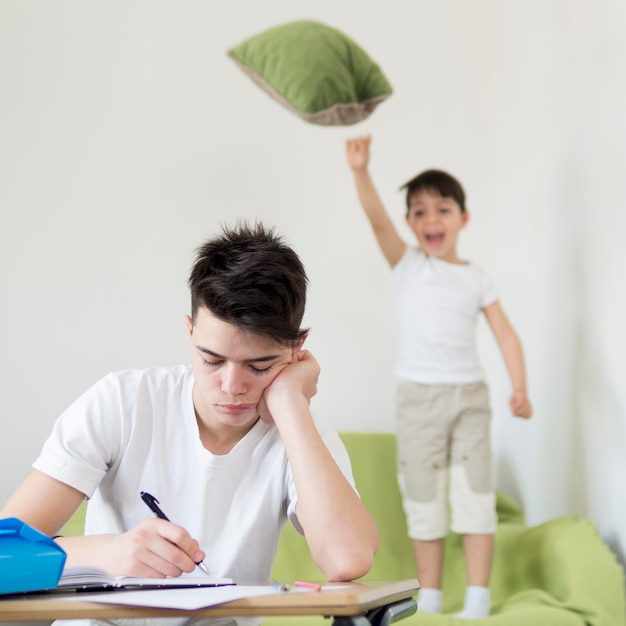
[[437, 305], [136, 430]]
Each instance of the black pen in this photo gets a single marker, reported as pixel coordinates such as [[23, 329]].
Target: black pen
[[153, 505]]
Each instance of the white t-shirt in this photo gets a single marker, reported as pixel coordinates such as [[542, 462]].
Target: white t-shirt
[[136, 431], [437, 305]]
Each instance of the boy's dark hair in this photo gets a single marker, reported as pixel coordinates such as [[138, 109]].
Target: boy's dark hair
[[438, 181], [248, 277]]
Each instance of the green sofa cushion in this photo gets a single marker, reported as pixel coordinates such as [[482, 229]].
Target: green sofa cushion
[[315, 71]]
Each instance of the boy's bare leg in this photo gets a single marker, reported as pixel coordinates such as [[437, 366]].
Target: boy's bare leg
[[478, 559], [429, 561]]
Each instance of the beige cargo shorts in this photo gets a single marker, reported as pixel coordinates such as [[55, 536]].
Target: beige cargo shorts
[[444, 458]]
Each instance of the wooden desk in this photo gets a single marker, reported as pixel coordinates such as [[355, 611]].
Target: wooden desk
[[376, 602]]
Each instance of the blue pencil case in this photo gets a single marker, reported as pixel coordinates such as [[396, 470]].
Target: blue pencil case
[[29, 560]]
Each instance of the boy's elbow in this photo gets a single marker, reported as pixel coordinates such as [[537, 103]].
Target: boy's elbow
[[350, 569], [351, 563]]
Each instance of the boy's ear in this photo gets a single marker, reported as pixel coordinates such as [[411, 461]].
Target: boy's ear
[[298, 345], [465, 216], [189, 324]]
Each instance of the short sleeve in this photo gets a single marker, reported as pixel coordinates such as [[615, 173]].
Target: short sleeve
[[489, 293], [85, 439]]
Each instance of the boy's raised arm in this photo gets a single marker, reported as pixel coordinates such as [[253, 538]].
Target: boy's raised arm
[[389, 241]]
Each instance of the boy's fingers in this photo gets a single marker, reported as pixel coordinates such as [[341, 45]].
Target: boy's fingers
[[181, 540]]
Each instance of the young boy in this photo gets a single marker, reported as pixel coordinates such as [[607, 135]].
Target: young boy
[[227, 445], [443, 410]]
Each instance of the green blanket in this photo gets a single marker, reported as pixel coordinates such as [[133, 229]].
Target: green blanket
[[559, 573]]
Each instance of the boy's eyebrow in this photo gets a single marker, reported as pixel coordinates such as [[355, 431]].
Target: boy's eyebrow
[[259, 359]]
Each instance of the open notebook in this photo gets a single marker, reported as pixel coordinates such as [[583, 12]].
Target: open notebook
[[90, 579]]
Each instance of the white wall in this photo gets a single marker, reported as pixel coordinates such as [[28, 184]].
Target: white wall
[[127, 137]]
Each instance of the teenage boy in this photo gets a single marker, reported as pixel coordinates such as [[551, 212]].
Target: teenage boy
[[228, 445]]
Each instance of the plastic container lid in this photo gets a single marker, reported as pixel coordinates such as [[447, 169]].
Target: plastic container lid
[[29, 560]]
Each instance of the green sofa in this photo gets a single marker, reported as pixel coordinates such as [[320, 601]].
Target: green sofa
[[559, 573]]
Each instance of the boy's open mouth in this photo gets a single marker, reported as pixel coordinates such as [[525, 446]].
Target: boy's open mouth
[[434, 239]]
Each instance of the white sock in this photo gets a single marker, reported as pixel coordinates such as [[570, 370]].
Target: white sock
[[429, 601], [477, 603]]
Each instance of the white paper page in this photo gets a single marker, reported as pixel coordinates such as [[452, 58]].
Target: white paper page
[[190, 599], [79, 576]]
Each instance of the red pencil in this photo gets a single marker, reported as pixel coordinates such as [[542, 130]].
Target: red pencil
[[307, 585]]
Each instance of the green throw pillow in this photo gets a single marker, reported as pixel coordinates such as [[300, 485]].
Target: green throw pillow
[[315, 71]]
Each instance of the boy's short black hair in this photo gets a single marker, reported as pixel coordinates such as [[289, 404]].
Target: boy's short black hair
[[438, 181], [249, 277]]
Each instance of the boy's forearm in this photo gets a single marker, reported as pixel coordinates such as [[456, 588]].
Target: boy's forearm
[[369, 198], [514, 358], [341, 533], [86, 550]]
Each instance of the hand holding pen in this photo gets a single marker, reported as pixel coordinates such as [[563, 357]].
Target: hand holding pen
[[153, 504]]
